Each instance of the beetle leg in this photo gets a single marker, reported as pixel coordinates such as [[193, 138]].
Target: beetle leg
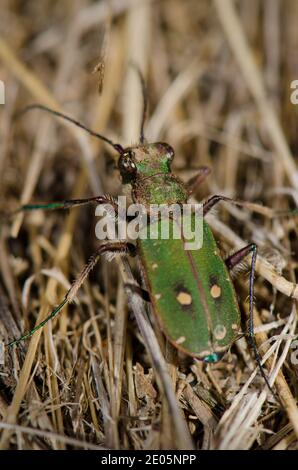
[[237, 257], [231, 262], [213, 200], [196, 180], [251, 206], [110, 247], [69, 203]]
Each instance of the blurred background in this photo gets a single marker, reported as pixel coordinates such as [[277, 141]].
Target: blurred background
[[219, 79]]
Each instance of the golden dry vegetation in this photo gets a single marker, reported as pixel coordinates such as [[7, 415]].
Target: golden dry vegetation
[[101, 375]]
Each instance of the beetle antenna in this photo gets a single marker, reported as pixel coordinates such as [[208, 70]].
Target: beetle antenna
[[145, 100], [117, 147], [145, 107]]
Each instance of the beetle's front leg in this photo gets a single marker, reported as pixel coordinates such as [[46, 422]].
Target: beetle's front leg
[[69, 203], [109, 247]]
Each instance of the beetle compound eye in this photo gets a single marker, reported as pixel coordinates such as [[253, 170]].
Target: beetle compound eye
[[130, 154], [170, 153], [127, 166]]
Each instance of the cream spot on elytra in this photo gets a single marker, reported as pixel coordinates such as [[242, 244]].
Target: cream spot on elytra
[[215, 291], [184, 298], [219, 332]]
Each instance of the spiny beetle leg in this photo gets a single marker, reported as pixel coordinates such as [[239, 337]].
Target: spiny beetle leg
[[231, 262], [251, 206], [213, 200], [239, 255], [110, 247], [69, 203], [196, 180]]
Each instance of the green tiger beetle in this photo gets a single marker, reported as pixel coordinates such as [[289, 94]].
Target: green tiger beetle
[[191, 292]]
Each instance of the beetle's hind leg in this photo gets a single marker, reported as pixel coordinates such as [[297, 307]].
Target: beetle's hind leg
[[108, 247], [237, 257], [231, 262]]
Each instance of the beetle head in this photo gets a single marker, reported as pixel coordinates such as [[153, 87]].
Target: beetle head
[[145, 161]]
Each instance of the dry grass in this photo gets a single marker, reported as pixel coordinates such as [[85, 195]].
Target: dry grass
[[102, 374]]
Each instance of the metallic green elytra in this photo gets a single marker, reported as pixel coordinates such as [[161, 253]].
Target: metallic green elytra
[[191, 291], [192, 295]]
